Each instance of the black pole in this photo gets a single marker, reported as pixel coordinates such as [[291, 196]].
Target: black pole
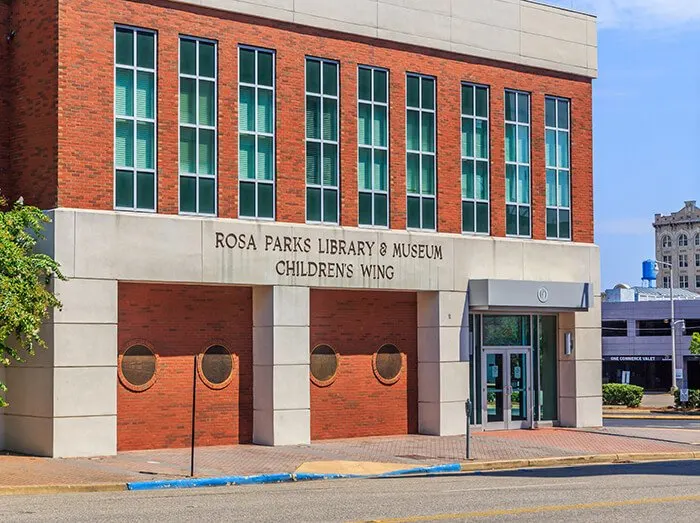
[[194, 402], [468, 408]]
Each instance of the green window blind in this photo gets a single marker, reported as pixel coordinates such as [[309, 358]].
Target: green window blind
[[322, 143], [198, 126], [135, 119], [256, 124]]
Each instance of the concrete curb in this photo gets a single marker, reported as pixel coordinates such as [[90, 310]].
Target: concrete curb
[[280, 478], [27, 490], [589, 459]]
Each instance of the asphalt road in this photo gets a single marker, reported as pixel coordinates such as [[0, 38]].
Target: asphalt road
[[692, 423], [665, 492]]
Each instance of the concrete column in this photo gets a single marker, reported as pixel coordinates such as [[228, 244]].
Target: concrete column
[[281, 390], [580, 373], [63, 402], [443, 378]]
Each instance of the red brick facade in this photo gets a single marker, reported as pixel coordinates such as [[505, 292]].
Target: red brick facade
[[355, 324], [82, 120], [179, 322]]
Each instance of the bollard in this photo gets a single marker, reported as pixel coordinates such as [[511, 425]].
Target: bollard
[[468, 408]]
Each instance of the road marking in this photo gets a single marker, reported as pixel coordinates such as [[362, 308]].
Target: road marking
[[534, 510], [513, 487]]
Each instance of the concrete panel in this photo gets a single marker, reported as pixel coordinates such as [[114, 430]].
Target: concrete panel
[[436, 344], [567, 411], [498, 13], [587, 344], [291, 389], [565, 262], [566, 374], [86, 301], [291, 306], [336, 25], [547, 22], [428, 305], [262, 387], [292, 427], [358, 12], [85, 436], [286, 427], [85, 345], [590, 319], [276, 9], [59, 241], [590, 412], [454, 382], [444, 25], [442, 419], [85, 391], [441, 308], [438, 6], [478, 35], [429, 382], [508, 260], [422, 23], [29, 435], [292, 346], [554, 51], [476, 257], [263, 345], [118, 246], [588, 379], [30, 391]]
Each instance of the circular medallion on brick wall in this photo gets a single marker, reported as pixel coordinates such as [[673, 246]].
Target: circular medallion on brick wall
[[215, 366], [324, 365], [387, 363], [137, 368]]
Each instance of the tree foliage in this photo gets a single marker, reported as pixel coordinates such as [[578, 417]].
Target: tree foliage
[[25, 298], [695, 344]]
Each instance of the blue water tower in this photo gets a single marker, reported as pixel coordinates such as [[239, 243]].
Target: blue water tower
[[649, 273]]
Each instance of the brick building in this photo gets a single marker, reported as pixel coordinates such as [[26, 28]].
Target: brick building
[[330, 219]]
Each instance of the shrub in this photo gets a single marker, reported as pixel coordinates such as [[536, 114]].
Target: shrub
[[620, 394], [693, 398]]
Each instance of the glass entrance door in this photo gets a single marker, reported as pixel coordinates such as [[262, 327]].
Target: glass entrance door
[[506, 389]]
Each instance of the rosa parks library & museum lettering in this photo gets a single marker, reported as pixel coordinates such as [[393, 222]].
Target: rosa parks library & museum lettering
[[330, 247]]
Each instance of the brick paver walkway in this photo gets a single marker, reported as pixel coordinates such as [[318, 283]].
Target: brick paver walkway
[[412, 449]]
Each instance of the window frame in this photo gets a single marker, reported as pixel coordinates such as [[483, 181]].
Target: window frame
[[420, 153], [558, 170], [517, 163], [666, 281], [610, 331], [683, 278], [474, 159], [321, 95], [256, 133], [197, 126], [666, 241], [135, 68], [682, 261], [684, 237], [373, 147]]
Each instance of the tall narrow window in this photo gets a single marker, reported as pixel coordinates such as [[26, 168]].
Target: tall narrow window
[[256, 126], [557, 144], [198, 156], [420, 151], [321, 141], [135, 119], [517, 163], [373, 143], [475, 158]]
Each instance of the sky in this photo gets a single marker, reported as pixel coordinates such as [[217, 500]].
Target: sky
[[646, 123]]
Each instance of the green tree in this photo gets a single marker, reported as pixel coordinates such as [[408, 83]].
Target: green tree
[[695, 344], [25, 299]]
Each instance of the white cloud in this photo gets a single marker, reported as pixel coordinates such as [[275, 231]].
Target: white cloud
[[640, 14]]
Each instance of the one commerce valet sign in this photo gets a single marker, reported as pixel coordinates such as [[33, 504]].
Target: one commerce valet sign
[[356, 256]]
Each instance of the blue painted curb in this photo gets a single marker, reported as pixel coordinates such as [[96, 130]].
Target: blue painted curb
[[223, 481]]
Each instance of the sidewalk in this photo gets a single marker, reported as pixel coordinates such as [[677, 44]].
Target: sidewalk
[[412, 450]]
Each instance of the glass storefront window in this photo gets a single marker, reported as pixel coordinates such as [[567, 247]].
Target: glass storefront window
[[506, 331]]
